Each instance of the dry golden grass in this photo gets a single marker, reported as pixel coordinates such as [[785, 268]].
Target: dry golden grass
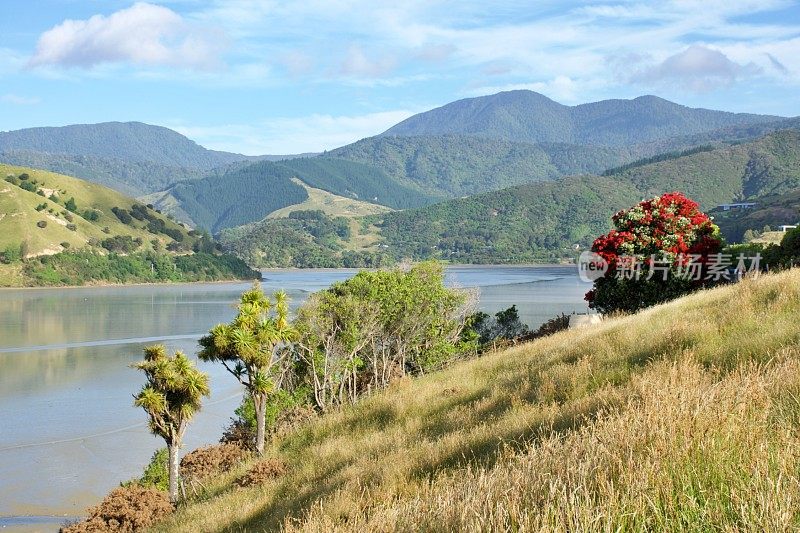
[[330, 204], [683, 417]]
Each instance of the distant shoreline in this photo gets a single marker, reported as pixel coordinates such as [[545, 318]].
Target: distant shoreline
[[446, 265], [148, 284], [264, 271]]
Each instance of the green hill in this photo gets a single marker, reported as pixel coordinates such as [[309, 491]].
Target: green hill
[[53, 221], [20, 215], [544, 220], [359, 181], [537, 222], [526, 116], [680, 418], [770, 165], [773, 211]]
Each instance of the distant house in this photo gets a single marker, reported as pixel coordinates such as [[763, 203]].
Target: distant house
[[787, 227], [740, 205]]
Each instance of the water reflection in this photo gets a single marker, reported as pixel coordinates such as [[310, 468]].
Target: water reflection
[[68, 431]]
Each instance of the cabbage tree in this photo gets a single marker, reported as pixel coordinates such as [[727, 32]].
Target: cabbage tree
[[171, 396], [250, 348]]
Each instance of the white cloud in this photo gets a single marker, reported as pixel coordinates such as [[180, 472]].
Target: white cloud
[[358, 64], [697, 68], [143, 34], [19, 100], [313, 133]]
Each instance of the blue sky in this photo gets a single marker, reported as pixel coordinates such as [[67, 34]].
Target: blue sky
[[294, 76]]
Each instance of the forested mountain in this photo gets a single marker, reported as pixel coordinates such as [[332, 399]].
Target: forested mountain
[[767, 166], [527, 116], [131, 157], [528, 223], [134, 178], [361, 181], [243, 195], [459, 165], [545, 220], [248, 193], [131, 141]]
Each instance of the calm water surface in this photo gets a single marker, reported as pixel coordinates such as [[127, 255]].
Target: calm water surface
[[68, 431]]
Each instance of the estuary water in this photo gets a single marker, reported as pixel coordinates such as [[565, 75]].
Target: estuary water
[[68, 430]]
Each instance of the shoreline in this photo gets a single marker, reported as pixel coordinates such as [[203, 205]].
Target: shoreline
[[446, 265], [144, 284], [275, 270]]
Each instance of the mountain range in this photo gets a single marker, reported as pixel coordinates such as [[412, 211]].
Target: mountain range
[[505, 147], [527, 116]]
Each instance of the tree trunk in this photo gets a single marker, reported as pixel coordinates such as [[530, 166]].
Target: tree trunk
[[174, 465], [260, 403]]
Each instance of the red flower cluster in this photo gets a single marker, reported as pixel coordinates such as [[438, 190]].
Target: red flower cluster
[[668, 228]]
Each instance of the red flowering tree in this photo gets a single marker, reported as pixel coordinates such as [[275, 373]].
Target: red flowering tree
[[657, 251]]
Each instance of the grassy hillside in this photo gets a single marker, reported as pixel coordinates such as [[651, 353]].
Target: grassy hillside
[[526, 116], [306, 239], [682, 417], [359, 181], [60, 230], [330, 204], [19, 215]]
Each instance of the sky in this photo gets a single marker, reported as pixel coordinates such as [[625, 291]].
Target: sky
[[284, 77]]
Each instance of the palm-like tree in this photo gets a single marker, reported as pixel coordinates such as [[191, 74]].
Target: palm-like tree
[[249, 348], [171, 396]]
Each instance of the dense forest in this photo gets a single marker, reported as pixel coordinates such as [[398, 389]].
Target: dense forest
[[457, 165], [527, 223], [357, 180], [87, 267], [305, 239], [241, 196]]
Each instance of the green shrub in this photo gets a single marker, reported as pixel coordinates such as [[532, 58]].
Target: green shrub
[[156, 473], [11, 254], [122, 214], [42, 224]]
